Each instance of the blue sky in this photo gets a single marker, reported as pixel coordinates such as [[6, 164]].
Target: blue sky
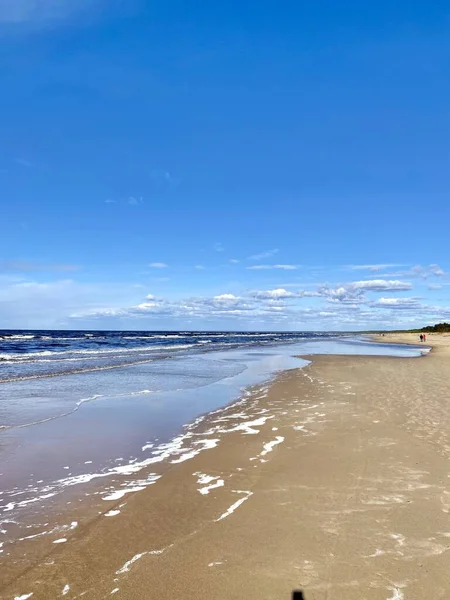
[[245, 165]]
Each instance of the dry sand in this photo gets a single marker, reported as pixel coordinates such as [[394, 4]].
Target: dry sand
[[340, 487]]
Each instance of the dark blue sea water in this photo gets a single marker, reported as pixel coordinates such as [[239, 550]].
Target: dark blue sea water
[[45, 353]]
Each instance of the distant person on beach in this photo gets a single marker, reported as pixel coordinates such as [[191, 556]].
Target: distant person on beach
[[424, 337], [421, 337]]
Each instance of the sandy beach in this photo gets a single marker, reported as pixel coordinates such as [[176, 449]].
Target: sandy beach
[[333, 480]]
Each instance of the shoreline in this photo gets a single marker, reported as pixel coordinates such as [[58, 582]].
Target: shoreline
[[206, 510], [55, 483]]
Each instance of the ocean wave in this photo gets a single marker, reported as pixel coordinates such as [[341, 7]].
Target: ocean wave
[[153, 337], [15, 337], [35, 356], [57, 339], [24, 356]]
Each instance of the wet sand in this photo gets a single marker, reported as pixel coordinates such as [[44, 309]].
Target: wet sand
[[334, 480]]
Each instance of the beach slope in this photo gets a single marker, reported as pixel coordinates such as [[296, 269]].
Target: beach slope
[[333, 480]]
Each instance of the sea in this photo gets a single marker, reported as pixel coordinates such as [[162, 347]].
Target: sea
[[84, 411]]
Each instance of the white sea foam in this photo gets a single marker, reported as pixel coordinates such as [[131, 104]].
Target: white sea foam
[[129, 469], [236, 505], [187, 454], [23, 596], [127, 565], [207, 489], [121, 493], [208, 479], [136, 557], [153, 337], [112, 513], [60, 541], [204, 479], [231, 417], [31, 537], [248, 428], [172, 450], [270, 445], [25, 356], [12, 505], [18, 337], [163, 452], [66, 590]]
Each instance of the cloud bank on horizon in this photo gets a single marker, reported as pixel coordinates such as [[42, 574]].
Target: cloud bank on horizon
[[353, 305]]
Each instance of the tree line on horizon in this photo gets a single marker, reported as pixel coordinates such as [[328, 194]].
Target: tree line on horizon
[[438, 328]]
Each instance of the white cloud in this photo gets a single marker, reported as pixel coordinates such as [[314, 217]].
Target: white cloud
[[99, 312], [342, 293], [377, 285], [266, 254], [226, 298], [260, 307], [435, 287], [424, 272], [374, 268], [432, 270], [355, 292], [218, 247], [267, 267], [354, 305], [149, 306], [397, 303], [282, 294], [199, 267], [234, 261], [158, 265], [221, 305], [276, 294], [437, 271]]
